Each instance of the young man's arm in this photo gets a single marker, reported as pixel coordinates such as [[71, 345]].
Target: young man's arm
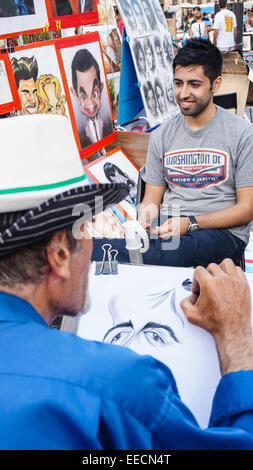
[[239, 214], [149, 208]]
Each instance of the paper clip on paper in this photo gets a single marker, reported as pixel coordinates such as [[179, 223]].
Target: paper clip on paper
[[110, 265]]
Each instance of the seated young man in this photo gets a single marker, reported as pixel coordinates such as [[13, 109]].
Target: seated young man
[[198, 167]]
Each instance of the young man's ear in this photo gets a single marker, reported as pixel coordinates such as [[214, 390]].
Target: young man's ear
[[216, 84]]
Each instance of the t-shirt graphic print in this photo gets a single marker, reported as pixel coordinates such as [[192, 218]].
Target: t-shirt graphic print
[[196, 168]]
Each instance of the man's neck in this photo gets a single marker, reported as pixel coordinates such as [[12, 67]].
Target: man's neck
[[201, 120], [35, 295]]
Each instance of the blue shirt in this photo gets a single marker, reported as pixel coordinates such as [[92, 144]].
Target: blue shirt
[[58, 391]]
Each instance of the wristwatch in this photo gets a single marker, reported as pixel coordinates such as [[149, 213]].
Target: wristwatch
[[193, 225]]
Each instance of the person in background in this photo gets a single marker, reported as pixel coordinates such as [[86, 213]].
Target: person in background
[[225, 28], [119, 21], [198, 27]]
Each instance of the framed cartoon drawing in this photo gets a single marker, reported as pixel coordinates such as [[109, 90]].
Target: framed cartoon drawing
[[9, 98], [72, 13], [67, 77], [87, 92], [116, 167], [38, 79], [22, 16]]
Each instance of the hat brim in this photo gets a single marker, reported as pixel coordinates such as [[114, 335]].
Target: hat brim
[[60, 212]]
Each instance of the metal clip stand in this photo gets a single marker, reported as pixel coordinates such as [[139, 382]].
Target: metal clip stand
[[137, 241], [110, 266]]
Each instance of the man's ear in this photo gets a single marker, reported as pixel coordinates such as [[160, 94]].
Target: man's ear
[[101, 87], [216, 84], [58, 255]]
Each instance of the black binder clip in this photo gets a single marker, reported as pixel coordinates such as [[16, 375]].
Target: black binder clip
[[109, 266]]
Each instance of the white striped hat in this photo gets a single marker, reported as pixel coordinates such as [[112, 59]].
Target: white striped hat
[[42, 180]]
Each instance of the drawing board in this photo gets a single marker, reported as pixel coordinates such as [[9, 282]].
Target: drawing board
[[140, 308], [150, 43]]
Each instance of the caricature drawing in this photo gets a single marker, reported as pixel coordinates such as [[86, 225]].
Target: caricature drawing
[[87, 89], [49, 91]]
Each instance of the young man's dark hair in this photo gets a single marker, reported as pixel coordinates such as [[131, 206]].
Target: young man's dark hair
[[222, 3], [198, 51], [83, 61]]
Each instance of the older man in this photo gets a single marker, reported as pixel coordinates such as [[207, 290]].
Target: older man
[[58, 391]]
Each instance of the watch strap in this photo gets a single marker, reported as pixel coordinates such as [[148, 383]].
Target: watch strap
[[192, 219]]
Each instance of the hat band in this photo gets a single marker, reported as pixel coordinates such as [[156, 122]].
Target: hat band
[[43, 187]]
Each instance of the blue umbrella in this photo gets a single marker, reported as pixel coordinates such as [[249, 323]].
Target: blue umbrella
[[207, 9]]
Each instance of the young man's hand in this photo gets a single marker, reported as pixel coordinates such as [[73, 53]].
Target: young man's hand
[[221, 304], [173, 227]]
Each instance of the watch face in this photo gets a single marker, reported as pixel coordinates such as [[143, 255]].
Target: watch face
[[193, 227]]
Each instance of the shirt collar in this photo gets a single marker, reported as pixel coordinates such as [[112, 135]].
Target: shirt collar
[[15, 309]]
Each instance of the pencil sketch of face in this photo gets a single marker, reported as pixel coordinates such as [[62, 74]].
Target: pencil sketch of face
[[159, 52], [150, 99], [129, 16], [149, 54], [160, 96], [140, 16], [149, 13], [159, 13], [151, 319], [140, 58], [169, 89], [168, 51]]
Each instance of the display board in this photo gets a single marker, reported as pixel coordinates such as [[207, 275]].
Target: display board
[[67, 76], [150, 43], [140, 308]]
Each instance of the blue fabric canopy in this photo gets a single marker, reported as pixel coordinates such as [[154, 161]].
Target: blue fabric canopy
[[207, 9]]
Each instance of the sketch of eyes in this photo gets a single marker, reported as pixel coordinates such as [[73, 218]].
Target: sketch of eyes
[[155, 334], [157, 337], [158, 334], [120, 335]]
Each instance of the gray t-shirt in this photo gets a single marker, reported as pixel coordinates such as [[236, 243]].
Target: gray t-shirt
[[202, 168]]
